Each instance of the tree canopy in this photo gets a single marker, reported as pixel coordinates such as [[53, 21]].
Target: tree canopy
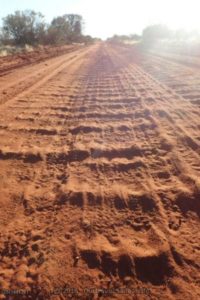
[[66, 28], [29, 27], [26, 27]]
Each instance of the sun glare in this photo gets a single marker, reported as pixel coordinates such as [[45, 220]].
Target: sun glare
[[182, 15], [105, 18]]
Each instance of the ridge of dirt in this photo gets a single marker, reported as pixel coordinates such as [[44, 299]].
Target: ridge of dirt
[[19, 60]]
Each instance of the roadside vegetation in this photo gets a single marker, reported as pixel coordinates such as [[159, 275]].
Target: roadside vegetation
[[25, 30], [157, 34], [126, 39], [28, 29]]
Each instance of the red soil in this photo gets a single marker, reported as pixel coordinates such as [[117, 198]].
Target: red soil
[[100, 168]]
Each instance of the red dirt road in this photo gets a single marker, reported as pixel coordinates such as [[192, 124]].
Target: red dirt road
[[100, 177]]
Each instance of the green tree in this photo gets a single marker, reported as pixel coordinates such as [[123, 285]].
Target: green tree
[[76, 26], [24, 27], [58, 31], [65, 29]]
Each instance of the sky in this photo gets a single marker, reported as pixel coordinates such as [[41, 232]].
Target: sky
[[104, 18]]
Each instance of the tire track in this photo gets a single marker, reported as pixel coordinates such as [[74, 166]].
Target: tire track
[[99, 181]]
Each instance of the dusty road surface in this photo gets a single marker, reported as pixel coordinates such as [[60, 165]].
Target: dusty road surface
[[100, 177]]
